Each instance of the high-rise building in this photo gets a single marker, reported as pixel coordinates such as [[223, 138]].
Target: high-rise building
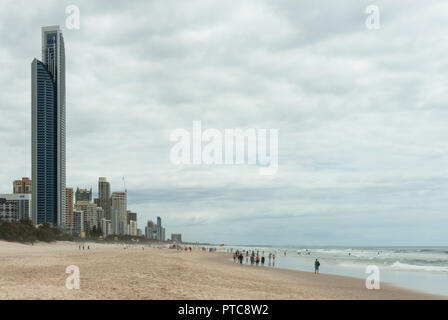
[[159, 229], [99, 215], [78, 221], [132, 216], [133, 228], [90, 214], [150, 230], [22, 186], [163, 235], [15, 207], [48, 129], [104, 196], [106, 227], [119, 212], [83, 195], [176, 237], [69, 207]]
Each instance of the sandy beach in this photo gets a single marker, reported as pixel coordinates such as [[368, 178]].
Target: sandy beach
[[108, 271]]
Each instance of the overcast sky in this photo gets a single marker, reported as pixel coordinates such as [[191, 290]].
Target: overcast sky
[[362, 114]]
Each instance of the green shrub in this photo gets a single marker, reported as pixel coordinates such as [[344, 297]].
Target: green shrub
[[24, 231]]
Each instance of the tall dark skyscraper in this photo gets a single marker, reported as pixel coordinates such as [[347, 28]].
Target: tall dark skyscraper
[[48, 130], [159, 229], [104, 197]]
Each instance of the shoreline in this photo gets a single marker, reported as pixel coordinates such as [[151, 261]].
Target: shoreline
[[408, 268], [386, 286], [108, 271]]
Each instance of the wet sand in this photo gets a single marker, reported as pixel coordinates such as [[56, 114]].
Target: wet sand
[[107, 271]]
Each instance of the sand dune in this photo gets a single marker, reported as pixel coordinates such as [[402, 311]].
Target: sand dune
[[108, 271]]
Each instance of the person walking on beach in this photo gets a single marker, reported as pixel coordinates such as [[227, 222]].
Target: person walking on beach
[[316, 266]]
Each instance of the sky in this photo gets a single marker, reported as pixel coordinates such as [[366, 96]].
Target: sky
[[361, 113]]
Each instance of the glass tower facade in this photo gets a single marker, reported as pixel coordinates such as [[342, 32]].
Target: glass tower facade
[[159, 229], [104, 196], [48, 130]]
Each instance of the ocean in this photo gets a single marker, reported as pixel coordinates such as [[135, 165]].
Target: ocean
[[419, 268]]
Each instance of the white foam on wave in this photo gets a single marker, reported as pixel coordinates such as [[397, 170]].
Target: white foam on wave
[[351, 265], [405, 266]]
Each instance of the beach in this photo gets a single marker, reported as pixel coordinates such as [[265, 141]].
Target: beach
[[109, 271]]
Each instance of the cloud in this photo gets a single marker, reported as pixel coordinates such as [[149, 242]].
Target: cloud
[[361, 114]]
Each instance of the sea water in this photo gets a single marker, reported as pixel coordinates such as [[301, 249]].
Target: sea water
[[419, 268]]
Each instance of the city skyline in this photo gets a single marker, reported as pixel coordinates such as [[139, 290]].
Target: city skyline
[[362, 124], [83, 214], [51, 202]]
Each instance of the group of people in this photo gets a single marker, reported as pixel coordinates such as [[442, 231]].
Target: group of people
[[180, 248], [254, 258], [83, 247], [257, 259]]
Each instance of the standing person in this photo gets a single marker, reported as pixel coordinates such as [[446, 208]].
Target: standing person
[[257, 260], [316, 266], [251, 260], [273, 259], [262, 260], [247, 256], [270, 257]]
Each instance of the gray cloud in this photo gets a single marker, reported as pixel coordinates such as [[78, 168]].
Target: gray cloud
[[361, 113]]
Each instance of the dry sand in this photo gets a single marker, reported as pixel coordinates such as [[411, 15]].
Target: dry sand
[[107, 271]]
